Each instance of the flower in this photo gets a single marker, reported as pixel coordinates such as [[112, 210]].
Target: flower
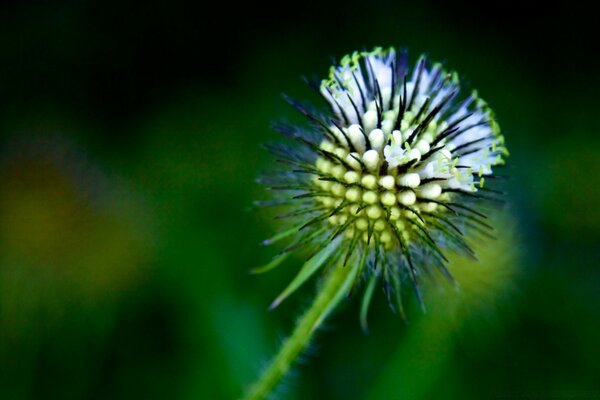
[[392, 177]]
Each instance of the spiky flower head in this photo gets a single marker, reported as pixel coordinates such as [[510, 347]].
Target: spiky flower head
[[394, 175]]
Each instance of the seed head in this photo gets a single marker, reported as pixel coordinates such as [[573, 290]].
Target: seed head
[[392, 176]]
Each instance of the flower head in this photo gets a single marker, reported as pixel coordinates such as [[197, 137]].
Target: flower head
[[393, 176]]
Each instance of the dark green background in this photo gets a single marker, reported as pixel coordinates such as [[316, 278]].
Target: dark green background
[[129, 145]]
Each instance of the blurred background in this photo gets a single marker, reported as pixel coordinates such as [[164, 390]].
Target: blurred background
[[129, 145]]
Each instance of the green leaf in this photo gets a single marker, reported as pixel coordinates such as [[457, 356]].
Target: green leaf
[[307, 270], [361, 265], [280, 235], [398, 293], [274, 263], [366, 301]]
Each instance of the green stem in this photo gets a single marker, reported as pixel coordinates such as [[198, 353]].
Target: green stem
[[334, 287]]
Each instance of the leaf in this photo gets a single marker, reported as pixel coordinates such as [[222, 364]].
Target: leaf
[[361, 265], [281, 235], [398, 293], [307, 270], [366, 301], [274, 263]]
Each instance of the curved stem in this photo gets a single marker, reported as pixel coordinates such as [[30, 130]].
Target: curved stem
[[336, 286]]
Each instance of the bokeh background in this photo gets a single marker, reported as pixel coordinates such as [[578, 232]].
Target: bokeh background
[[129, 145]]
